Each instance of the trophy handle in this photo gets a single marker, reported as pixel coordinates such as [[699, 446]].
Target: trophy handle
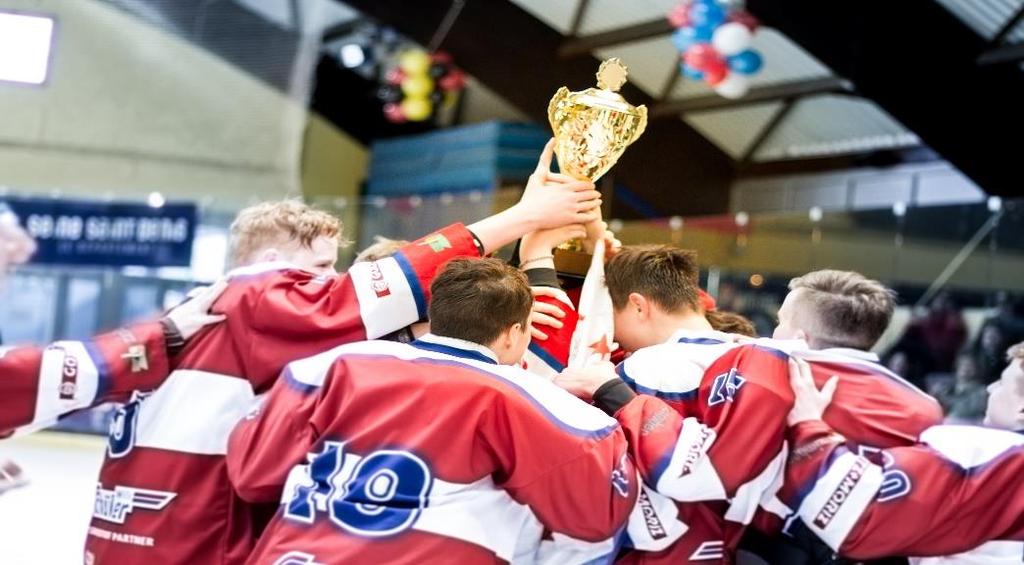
[[642, 113], [554, 107]]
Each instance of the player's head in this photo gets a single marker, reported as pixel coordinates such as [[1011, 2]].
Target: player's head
[[1006, 396], [380, 248], [649, 285], [484, 301], [16, 246], [286, 230], [835, 309], [731, 323]]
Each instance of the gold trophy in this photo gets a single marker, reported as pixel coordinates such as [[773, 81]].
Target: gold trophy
[[592, 129]]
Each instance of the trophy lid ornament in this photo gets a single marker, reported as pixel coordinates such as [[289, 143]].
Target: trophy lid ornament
[[611, 75]]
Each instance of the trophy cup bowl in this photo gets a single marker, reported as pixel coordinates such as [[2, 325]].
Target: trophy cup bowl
[[592, 129]]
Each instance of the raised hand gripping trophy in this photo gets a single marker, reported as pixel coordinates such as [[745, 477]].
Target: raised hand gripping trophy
[[592, 129]]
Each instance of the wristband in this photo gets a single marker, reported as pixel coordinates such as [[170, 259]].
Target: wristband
[[173, 340], [535, 259], [613, 395], [479, 244]]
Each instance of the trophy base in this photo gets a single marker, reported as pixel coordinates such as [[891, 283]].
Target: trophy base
[[572, 263], [572, 245]]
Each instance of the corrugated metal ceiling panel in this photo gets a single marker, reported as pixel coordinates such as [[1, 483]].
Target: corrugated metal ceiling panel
[[733, 130], [603, 15], [833, 125], [986, 17]]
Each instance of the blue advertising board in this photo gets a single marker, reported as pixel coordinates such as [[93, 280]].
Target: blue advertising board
[[84, 232]]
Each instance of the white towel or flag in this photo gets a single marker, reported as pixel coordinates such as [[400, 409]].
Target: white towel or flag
[[592, 341]]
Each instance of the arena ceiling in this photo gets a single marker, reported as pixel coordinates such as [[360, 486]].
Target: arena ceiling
[[846, 83]]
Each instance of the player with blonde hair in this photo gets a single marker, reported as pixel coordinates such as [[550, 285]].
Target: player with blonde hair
[[288, 231]]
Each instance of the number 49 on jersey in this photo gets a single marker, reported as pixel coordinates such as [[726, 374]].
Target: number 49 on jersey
[[380, 494]]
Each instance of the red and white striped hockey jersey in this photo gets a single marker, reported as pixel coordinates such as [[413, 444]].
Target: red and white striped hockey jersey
[[40, 384], [957, 490], [730, 399], [163, 494], [382, 452]]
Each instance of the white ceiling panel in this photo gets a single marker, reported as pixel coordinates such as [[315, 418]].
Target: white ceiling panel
[[604, 15], [733, 130], [833, 125], [650, 62]]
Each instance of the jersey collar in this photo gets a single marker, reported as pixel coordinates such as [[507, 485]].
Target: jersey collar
[[456, 347], [260, 268], [701, 337], [266, 267], [855, 353]]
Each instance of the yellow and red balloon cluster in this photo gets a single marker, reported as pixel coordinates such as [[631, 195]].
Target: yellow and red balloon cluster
[[418, 84]]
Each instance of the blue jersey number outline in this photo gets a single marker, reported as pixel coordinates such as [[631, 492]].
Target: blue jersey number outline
[[380, 494], [895, 483], [121, 437]]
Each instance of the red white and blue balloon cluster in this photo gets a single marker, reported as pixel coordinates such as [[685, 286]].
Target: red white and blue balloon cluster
[[714, 42]]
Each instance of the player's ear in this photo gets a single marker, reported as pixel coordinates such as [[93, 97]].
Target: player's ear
[[510, 335], [268, 254], [638, 303]]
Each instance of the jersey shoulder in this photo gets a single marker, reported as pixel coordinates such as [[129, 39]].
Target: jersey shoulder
[[971, 446]]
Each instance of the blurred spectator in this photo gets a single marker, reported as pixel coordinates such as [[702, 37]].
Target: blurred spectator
[[989, 350], [964, 397], [944, 331], [1009, 316], [910, 357], [764, 323], [898, 362]]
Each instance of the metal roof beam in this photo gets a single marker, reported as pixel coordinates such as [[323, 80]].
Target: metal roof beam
[[780, 91], [881, 158], [584, 45], [1005, 54], [577, 17], [766, 132]]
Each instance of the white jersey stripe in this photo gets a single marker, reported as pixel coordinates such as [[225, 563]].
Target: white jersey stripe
[[970, 446], [759, 491], [68, 379], [561, 407], [386, 300], [193, 412], [690, 475], [838, 499]]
